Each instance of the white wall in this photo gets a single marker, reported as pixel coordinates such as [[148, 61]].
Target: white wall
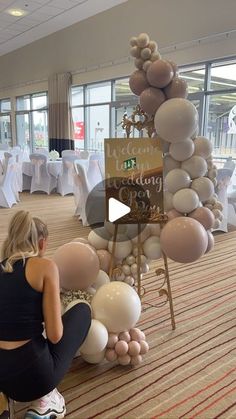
[[98, 48]]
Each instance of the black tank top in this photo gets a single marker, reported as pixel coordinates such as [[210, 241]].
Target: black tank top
[[21, 314]]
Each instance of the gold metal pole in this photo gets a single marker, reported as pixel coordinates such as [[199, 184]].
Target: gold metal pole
[[169, 292], [113, 251], [139, 260]]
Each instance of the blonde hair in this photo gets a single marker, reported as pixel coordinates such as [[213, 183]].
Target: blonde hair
[[24, 232]]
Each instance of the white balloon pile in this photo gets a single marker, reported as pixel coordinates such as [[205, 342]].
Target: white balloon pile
[[126, 249]]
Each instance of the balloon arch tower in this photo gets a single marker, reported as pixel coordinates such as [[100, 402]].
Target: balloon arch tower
[[105, 271]]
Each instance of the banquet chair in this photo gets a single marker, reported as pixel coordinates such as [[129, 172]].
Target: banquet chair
[[94, 173], [7, 193], [41, 179], [65, 182], [81, 191], [223, 180], [42, 151], [17, 187]]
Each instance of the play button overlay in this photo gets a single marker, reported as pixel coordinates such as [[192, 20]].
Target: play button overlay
[[116, 210], [118, 201]]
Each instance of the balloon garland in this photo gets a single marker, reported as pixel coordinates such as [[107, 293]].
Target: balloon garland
[[190, 202]]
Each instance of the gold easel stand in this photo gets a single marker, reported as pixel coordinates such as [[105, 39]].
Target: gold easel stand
[[140, 120]]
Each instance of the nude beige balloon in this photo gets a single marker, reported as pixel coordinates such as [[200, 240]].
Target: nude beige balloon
[[177, 88], [184, 240], [160, 73], [138, 82], [204, 216], [78, 265]]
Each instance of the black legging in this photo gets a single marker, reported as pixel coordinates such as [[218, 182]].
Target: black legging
[[34, 369]]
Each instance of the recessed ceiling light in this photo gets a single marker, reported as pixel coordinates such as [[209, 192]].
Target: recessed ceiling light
[[17, 12]]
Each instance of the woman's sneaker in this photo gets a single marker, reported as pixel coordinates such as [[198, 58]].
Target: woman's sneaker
[[4, 407], [51, 406]]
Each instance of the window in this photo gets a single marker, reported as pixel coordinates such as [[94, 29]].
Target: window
[[195, 78], [98, 93], [98, 121], [32, 121], [5, 122], [223, 76]]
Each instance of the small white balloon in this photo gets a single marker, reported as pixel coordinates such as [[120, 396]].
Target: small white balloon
[[126, 269], [146, 65], [101, 279], [196, 166], [99, 238], [138, 62], [144, 268], [130, 260], [129, 280], [143, 40], [143, 259], [177, 179], [134, 268], [203, 147], [133, 41], [183, 150], [152, 248], [122, 248], [185, 201], [153, 46], [204, 188], [146, 53], [135, 51]]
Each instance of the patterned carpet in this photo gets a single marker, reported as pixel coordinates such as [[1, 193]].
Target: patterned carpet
[[189, 372]]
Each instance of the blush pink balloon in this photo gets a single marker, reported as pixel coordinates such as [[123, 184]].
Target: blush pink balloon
[[78, 265], [160, 73], [125, 336], [136, 360], [136, 334], [104, 259], [138, 82], [173, 214], [204, 216], [177, 88], [121, 348], [124, 359], [112, 340], [144, 347], [151, 99], [174, 67], [211, 241], [111, 355], [134, 348], [184, 239]]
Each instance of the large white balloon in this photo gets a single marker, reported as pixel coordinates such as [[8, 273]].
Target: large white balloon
[[117, 306], [96, 339], [176, 120], [98, 238], [183, 150], [203, 147], [196, 166], [177, 179], [152, 248], [94, 358], [204, 188], [185, 201], [122, 248]]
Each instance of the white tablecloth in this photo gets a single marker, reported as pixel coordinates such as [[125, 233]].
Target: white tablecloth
[[54, 168]]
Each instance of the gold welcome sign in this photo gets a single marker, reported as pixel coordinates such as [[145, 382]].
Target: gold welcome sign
[[134, 176]]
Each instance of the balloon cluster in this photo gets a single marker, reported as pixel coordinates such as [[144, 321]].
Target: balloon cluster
[[189, 172], [127, 347]]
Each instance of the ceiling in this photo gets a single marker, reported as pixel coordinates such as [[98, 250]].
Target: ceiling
[[43, 18]]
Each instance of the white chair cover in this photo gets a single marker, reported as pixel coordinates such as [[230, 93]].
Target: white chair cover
[[223, 179], [94, 173], [43, 151], [7, 195], [65, 183], [41, 179], [81, 191], [68, 153], [15, 155]]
